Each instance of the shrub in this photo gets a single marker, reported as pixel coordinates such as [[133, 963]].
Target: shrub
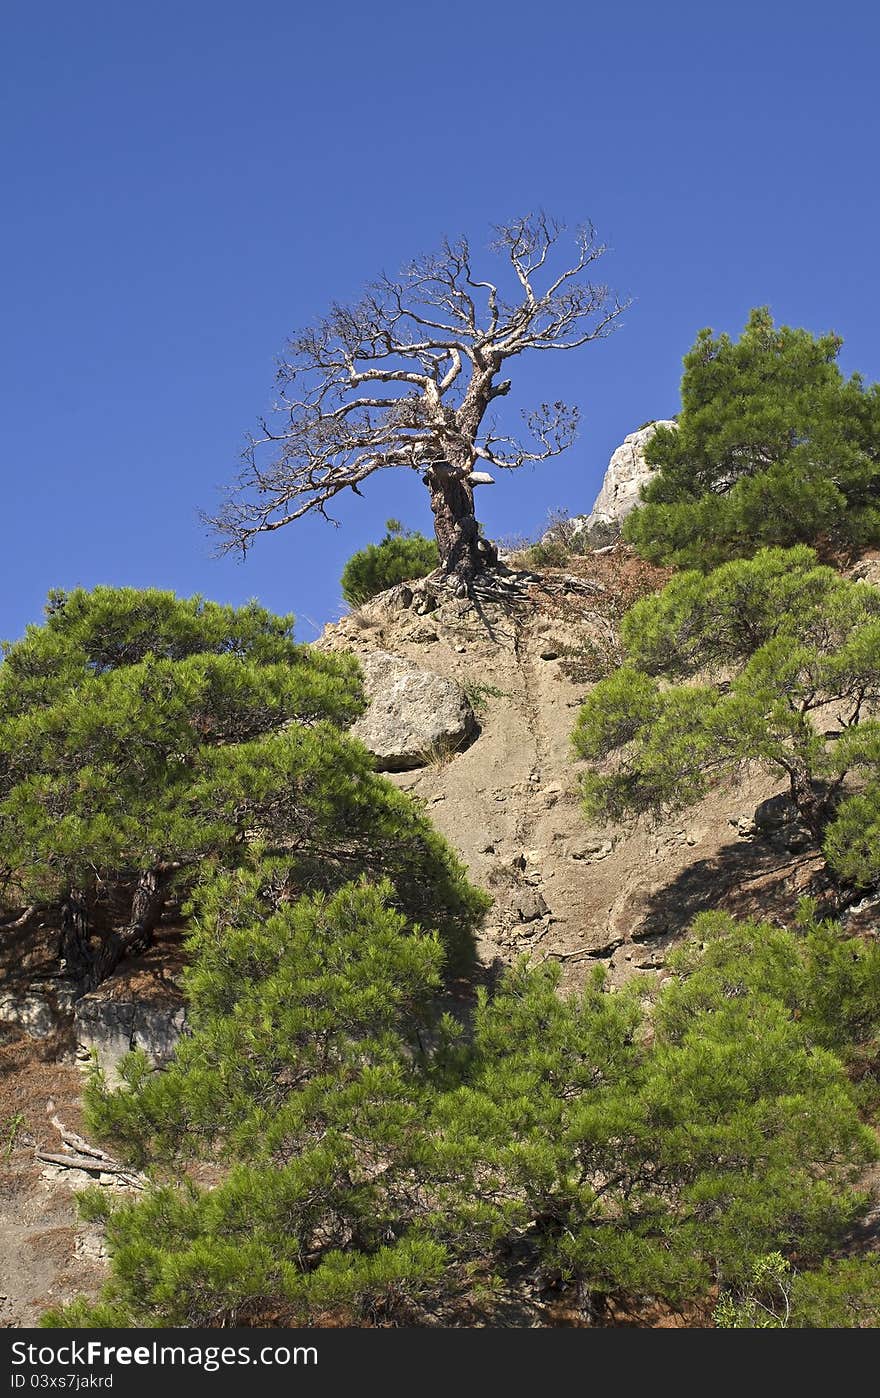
[[400, 557]]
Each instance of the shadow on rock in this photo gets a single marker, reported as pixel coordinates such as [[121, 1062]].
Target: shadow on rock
[[749, 878]]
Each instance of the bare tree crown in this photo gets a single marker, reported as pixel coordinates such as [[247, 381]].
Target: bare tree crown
[[407, 376]]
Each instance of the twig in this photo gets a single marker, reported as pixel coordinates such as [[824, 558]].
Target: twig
[[582, 955], [87, 1157], [93, 1165], [70, 1138]]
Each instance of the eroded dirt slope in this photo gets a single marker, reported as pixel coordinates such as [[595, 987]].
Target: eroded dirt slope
[[563, 887], [47, 1256]]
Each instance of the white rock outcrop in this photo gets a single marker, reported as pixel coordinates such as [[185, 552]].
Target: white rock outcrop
[[43, 1008], [627, 472]]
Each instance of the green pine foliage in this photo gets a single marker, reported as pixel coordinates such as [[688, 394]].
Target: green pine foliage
[[772, 660], [773, 447], [828, 982], [139, 731], [401, 556], [131, 727], [302, 1074], [375, 1157], [642, 1165], [844, 1294]]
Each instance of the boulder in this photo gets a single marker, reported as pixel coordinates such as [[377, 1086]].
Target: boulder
[[414, 716], [776, 812], [32, 1013], [527, 904]]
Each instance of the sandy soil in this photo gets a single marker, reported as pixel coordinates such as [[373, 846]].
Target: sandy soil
[[46, 1255], [563, 887]]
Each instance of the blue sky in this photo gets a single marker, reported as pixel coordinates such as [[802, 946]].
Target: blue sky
[[186, 184]]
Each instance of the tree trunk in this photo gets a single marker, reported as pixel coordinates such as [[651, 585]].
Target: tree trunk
[[146, 909], [93, 967], [73, 947], [463, 554], [808, 803]]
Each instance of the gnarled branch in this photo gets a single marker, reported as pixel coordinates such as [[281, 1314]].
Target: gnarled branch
[[433, 342]]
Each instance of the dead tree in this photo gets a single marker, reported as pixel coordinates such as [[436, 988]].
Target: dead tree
[[408, 376]]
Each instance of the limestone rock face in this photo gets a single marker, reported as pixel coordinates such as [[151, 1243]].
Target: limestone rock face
[[414, 716], [867, 569], [32, 1012], [627, 472], [111, 1028], [43, 1009]]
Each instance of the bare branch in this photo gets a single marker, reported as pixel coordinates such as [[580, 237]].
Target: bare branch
[[552, 428], [434, 341]]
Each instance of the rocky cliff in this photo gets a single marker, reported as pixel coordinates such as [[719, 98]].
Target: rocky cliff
[[504, 790], [624, 477], [472, 705]]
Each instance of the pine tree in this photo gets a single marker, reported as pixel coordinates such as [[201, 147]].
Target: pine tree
[[144, 738], [374, 1159], [302, 1077], [773, 446], [653, 1163], [773, 661], [399, 557]]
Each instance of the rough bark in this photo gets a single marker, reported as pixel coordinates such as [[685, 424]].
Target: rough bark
[[73, 947], [146, 909], [455, 524], [809, 804], [463, 554], [93, 965]]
